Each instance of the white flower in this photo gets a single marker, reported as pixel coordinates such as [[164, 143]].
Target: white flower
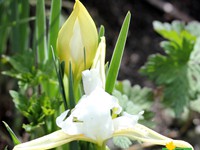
[[92, 115], [91, 120]]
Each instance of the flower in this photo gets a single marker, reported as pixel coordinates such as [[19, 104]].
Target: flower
[[77, 40], [99, 60], [91, 120], [170, 146]]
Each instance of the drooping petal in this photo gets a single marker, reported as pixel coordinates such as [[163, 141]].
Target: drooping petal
[[50, 141], [144, 134]]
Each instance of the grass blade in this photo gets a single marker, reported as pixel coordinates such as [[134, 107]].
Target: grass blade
[[24, 27], [60, 74], [12, 134], [15, 34], [54, 24], [41, 31], [71, 87], [117, 55], [4, 19]]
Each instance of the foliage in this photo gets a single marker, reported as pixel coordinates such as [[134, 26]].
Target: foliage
[[40, 75], [133, 99], [122, 142], [117, 55], [178, 70], [12, 134], [33, 103]]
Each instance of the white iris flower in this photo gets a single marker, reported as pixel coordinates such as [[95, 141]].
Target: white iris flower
[[92, 115], [97, 117]]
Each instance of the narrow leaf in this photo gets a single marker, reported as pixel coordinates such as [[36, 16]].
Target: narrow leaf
[[24, 27], [41, 31], [54, 24], [60, 73], [12, 134], [71, 87], [117, 55], [101, 32]]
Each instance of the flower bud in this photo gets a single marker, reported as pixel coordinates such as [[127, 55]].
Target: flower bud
[[77, 41]]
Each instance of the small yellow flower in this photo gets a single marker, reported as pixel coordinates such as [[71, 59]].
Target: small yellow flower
[[78, 41], [170, 146]]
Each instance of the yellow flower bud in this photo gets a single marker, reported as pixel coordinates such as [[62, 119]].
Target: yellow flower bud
[[77, 40]]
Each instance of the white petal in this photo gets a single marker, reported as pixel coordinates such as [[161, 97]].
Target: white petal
[[76, 43], [91, 80], [72, 128], [60, 119], [126, 121]]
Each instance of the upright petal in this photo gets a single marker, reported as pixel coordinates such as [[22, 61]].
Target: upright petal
[[78, 40], [91, 80]]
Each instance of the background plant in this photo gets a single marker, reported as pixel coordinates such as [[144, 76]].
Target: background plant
[[39, 72]]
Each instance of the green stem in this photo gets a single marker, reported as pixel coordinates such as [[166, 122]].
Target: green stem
[[103, 147]]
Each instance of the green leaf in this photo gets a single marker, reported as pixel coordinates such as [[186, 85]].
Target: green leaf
[[41, 32], [178, 71], [60, 74], [12, 134], [101, 32], [54, 25], [24, 27], [71, 87], [117, 55], [22, 63], [20, 101], [6, 148], [194, 28], [122, 142], [134, 99]]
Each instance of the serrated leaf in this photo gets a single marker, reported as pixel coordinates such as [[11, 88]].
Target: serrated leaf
[[166, 31], [31, 127], [122, 142], [19, 100], [194, 28], [179, 70], [194, 105], [21, 62], [133, 99]]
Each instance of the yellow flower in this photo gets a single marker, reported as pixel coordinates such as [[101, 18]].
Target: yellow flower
[[170, 146], [77, 41]]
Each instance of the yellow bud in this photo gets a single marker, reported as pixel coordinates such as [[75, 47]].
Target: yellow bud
[[77, 40]]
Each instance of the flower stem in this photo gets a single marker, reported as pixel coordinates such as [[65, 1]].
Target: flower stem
[[103, 147]]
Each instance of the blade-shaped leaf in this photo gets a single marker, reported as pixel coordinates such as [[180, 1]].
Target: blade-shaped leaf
[[41, 31], [12, 134], [117, 55], [54, 25], [101, 32]]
